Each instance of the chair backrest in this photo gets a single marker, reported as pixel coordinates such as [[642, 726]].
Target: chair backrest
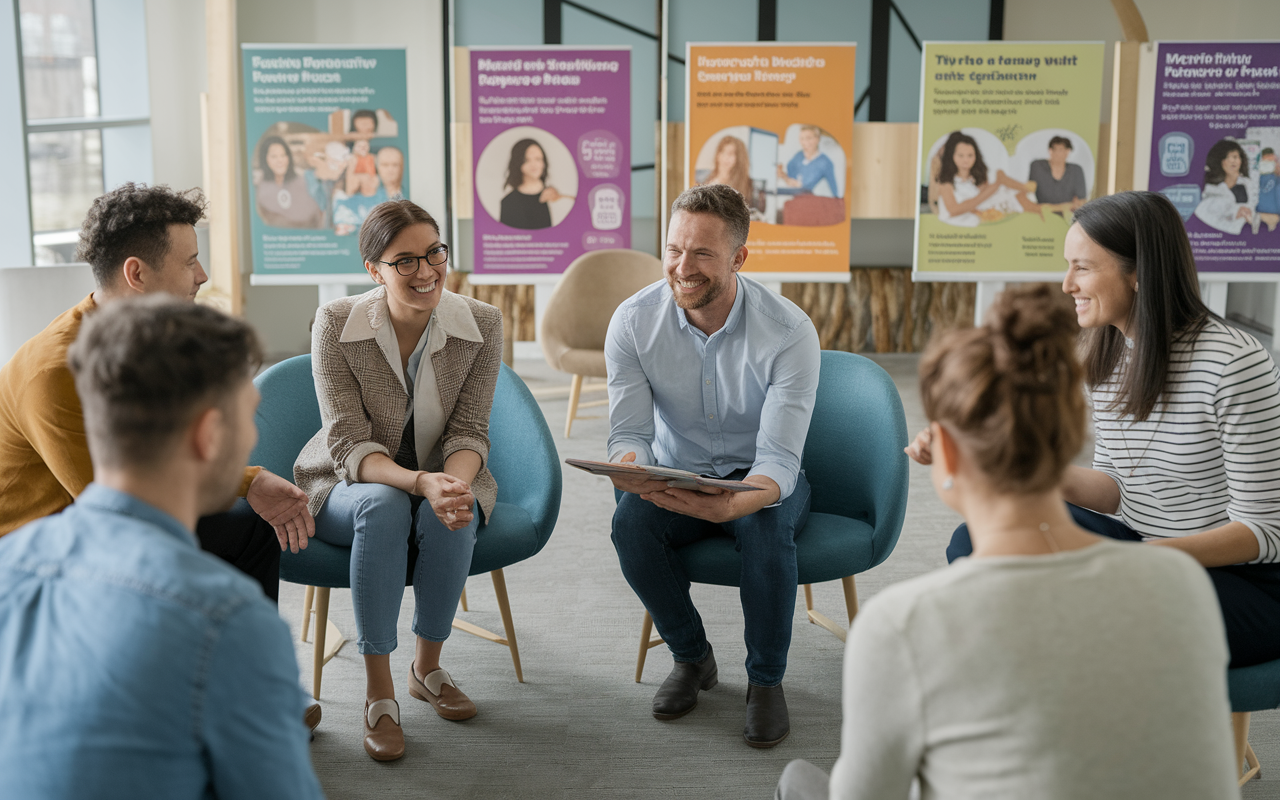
[[853, 455], [591, 289], [522, 455], [288, 416]]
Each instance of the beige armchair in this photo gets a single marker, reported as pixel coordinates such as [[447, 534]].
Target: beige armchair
[[577, 315]]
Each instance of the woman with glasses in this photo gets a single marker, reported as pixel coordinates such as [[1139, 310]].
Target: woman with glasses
[[405, 376]]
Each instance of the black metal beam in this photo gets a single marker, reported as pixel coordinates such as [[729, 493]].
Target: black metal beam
[[767, 29], [881, 17], [552, 24], [995, 31], [906, 25], [858, 105]]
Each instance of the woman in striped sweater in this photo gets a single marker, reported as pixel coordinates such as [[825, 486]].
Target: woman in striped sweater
[[1186, 412]]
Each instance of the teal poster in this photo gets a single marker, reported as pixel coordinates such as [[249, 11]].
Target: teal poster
[[326, 138]]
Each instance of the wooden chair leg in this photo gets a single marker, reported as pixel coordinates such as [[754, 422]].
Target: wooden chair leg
[[306, 610], [1246, 761], [322, 628], [575, 392], [808, 598], [850, 597], [646, 629], [504, 608], [463, 599]]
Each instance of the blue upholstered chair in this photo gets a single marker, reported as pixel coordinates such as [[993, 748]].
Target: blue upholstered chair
[[858, 473], [522, 458], [1255, 688]]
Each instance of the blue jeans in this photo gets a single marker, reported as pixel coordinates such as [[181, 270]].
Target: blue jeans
[[646, 538], [376, 521], [1248, 594]]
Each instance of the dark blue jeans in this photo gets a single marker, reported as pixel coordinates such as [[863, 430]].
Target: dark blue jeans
[[1249, 594], [646, 538]]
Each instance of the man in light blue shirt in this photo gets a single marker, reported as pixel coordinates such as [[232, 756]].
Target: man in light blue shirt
[[133, 664], [809, 167], [711, 372]]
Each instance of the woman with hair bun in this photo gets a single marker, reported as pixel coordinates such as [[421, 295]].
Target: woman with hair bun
[[1186, 411], [1041, 666]]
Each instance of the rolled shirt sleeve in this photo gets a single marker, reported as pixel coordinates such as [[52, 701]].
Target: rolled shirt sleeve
[[788, 407], [630, 394]]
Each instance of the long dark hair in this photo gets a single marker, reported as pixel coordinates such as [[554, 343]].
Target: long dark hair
[[1145, 233], [948, 172], [514, 176], [263, 148], [1213, 171]]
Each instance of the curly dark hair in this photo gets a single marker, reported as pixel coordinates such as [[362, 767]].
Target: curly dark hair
[[1213, 171], [132, 220], [949, 169]]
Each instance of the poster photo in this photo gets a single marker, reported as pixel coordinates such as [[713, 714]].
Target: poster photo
[[1008, 149], [551, 143], [775, 122], [1215, 144], [327, 140]]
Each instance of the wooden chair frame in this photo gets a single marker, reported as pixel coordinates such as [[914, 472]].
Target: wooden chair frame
[[1246, 760], [575, 393], [329, 640], [815, 617]]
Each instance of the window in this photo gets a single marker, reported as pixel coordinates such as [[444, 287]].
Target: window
[[86, 111]]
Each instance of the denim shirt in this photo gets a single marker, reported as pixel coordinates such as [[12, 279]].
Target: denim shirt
[[737, 399], [132, 664]]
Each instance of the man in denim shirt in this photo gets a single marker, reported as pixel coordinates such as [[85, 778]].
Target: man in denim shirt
[[132, 664], [712, 373]]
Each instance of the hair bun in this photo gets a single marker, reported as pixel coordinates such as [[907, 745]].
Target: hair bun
[[1034, 331]]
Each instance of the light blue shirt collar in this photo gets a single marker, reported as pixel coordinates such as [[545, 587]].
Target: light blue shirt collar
[[730, 323], [104, 498]]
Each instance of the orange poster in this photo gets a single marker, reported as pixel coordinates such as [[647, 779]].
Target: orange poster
[[775, 122]]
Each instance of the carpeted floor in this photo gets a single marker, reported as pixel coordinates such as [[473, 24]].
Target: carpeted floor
[[579, 726]]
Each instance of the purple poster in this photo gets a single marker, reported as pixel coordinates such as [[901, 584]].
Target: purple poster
[[1215, 142], [551, 141]]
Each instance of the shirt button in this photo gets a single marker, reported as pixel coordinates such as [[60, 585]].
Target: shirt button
[[708, 383], [711, 416], [719, 460]]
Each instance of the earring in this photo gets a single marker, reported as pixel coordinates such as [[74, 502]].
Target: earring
[[948, 484]]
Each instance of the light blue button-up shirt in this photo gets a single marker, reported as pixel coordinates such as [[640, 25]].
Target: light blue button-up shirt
[[132, 664], [737, 399]]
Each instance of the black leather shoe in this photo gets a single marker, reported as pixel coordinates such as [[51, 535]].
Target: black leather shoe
[[767, 719], [678, 694]]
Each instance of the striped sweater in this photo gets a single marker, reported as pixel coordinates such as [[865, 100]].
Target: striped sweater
[[1209, 453]]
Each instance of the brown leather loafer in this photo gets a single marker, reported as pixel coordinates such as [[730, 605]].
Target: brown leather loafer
[[312, 716], [438, 689], [383, 736]]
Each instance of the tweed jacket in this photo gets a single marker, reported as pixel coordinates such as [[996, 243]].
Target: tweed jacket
[[364, 404]]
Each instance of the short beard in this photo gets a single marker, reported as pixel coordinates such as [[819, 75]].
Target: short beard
[[692, 303]]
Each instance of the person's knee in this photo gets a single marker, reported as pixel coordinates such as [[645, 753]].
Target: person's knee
[[960, 545], [381, 506], [802, 781]]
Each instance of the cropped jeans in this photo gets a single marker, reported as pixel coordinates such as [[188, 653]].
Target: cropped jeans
[[376, 521], [646, 538]]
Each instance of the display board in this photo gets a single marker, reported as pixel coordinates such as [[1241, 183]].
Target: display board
[[326, 130], [551, 144], [775, 121], [1008, 143], [1215, 144]]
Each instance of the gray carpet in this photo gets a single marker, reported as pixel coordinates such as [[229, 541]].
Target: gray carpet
[[580, 726]]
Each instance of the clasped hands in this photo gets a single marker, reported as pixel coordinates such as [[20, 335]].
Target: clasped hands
[[451, 499]]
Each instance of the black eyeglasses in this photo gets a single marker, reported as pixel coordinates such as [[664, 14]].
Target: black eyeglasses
[[409, 264]]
